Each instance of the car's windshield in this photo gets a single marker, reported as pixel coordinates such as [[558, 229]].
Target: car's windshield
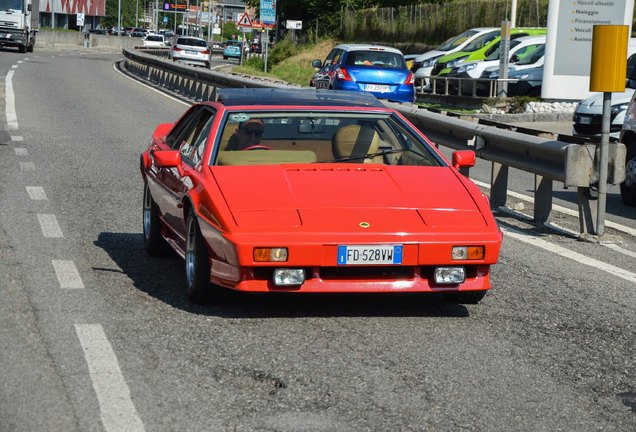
[[375, 58], [154, 38], [533, 57], [482, 41], [292, 136], [494, 51], [456, 41], [12, 5], [232, 43]]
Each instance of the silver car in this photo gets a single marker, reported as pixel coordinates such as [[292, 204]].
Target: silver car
[[191, 50]]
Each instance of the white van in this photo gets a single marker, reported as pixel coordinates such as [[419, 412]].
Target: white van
[[423, 64], [588, 115]]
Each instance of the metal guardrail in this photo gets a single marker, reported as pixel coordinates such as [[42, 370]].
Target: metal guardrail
[[549, 160]]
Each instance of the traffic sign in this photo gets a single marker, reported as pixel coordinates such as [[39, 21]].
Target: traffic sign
[[244, 21], [268, 11]]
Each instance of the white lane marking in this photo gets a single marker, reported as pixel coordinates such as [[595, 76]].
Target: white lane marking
[[118, 412], [561, 209], [17, 138], [151, 88], [567, 253], [19, 151], [27, 166], [67, 274], [49, 225], [19, 61], [14, 67], [36, 193], [12, 118], [621, 250]]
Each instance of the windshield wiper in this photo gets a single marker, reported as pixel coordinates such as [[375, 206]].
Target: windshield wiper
[[367, 156]]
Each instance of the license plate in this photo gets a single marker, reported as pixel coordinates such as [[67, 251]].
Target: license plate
[[369, 254], [585, 120], [192, 52], [378, 88]]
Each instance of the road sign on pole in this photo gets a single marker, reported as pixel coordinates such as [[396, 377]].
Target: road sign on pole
[[244, 21], [268, 12]]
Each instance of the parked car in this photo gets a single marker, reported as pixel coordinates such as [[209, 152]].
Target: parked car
[[191, 50], [529, 81], [376, 69], [477, 50], [423, 64], [155, 40], [588, 115], [341, 195], [628, 137], [232, 49], [520, 49]]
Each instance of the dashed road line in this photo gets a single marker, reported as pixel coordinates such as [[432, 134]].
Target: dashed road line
[[17, 138], [19, 151], [49, 226], [67, 274], [36, 193], [27, 166], [567, 253], [12, 118], [118, 412]]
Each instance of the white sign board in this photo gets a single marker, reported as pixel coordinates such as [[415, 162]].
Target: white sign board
[[568, 56], [80, 19], [293, 25]]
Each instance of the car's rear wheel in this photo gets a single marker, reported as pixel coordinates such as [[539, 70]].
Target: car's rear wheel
[[628, 187], [197, 266], [465, 297], [224, 57], [154, 243]]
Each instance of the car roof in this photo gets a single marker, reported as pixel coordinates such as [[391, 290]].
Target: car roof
[[362, 47], [298, 97], [191, 38]]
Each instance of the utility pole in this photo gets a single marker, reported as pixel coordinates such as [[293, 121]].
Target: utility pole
[[513, 14]]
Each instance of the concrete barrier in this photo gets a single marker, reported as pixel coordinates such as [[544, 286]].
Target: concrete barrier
[[74, 40]]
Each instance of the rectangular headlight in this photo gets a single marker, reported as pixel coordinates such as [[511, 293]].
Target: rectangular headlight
[[289, 277], [450, 275]]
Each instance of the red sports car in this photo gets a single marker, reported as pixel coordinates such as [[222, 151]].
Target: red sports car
[[272, 190]]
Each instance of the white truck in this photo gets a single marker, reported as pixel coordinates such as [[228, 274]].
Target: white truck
[[19, 23]]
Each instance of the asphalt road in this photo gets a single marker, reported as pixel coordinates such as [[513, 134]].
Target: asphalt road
[[95, 335]]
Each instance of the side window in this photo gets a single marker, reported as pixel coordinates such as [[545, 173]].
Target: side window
[[336, 59], [193, 140], [330, 57], [631, 65], [184, 125]]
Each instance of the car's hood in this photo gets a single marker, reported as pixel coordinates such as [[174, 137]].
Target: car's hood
[[430, 54], [335, 198], [594, 104]]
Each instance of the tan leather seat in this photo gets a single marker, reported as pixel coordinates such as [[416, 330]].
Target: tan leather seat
[[356, 141]]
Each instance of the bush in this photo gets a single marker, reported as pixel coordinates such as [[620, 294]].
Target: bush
[[255, 62], [281, 51]]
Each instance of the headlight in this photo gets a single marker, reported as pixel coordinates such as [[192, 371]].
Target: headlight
[[270, 254], [289, 277], [467, 253], [455, 62], [617, 109], [494, 75], [467, 67], [450, 275], [430, 62]]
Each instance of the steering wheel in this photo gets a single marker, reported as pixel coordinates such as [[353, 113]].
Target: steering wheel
[[257, 147]]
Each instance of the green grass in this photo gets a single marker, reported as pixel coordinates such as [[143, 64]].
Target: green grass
[[295, 69]]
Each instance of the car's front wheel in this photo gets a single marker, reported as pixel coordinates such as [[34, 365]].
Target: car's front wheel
[[628, 187], [154, 243], [197, 265]]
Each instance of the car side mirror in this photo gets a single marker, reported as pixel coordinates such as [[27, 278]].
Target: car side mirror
[[168, 159], [316, 63], [463, 159]]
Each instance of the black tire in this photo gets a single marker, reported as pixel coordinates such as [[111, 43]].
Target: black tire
[[465, 297], [154, 244], [22, 49], [197, 266], [207, 65], [628, 187], [224, 57]]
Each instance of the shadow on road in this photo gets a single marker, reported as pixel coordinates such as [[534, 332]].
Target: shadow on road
[[164, 279]]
